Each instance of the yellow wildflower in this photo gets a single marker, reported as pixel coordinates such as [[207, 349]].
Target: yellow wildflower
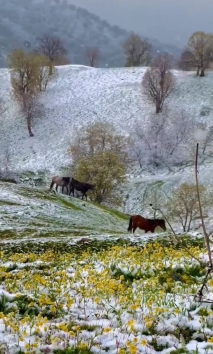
[[143, 342], [107, 330]]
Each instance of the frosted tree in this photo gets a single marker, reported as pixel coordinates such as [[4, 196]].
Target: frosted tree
[[158, 81], [164, 139]]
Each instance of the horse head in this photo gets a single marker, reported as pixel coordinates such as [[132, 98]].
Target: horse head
[[162, 224]]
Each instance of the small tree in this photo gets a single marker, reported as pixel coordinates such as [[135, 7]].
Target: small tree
[[99, 137], [158, 81], [184, 204], [200, 47], [137, 51], [100, 156], [27, 79], [52, 48], [106, 171], [92, 56]]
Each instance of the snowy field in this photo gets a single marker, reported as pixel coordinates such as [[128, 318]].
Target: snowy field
[[82, 95]]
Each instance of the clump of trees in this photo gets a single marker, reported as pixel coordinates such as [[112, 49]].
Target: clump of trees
[[158, 81], [137, 51], [183, 205], [30, 74], [198, 53], [100, 156]]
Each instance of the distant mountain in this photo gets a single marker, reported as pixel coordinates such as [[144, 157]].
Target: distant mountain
[[22, 21]]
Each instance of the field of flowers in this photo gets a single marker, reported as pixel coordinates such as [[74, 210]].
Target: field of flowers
[[104, 298]]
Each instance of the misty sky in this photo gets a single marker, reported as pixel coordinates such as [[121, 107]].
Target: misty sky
[[170, 21]]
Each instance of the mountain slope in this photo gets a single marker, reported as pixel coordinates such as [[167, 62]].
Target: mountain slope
[[21, 25]]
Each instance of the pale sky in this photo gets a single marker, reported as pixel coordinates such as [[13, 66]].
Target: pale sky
[[170, 21]]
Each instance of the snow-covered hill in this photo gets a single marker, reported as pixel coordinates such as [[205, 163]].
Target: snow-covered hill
[[82, 95]]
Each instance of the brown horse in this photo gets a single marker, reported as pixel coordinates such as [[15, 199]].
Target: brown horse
[[145, 224], [60, 182]]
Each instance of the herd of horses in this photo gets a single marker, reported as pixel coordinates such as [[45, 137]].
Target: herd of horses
[[71, 185], [136, 221]]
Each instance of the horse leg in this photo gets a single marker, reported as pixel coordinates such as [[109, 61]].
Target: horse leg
[[56, 188], [133, 230], [51, 186], [63, 189], [72, 191]]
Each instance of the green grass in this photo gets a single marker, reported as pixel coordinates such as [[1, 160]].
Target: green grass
[[66, 203], [113, 212], [7, 202], [55, 215]]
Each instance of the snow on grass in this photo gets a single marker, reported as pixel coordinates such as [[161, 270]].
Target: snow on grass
[[115, 300], [28, 212], [82, 95]]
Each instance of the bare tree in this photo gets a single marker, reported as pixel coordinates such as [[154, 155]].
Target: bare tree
[[137, 51], [200, 51], [92, 56], [184, 205], [158, 81], [51, 47]]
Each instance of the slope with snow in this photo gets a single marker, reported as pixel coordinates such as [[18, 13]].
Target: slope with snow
[[82, 95]]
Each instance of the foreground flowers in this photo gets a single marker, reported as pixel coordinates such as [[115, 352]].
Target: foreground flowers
[[123, 300]]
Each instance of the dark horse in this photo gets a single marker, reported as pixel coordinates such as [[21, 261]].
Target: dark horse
[[145, 224], [81, 187], [60, 181]]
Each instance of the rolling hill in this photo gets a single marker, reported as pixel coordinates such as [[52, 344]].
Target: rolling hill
[[83, 95]]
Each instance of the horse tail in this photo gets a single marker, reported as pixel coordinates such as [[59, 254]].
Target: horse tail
[[130, 224], [52, 184]]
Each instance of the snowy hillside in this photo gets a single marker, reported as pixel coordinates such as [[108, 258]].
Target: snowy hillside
[[82, 95]]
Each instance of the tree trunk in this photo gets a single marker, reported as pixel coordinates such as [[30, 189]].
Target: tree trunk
[[158, 108], [29, 127], [198, 71], [202, 72], [51, 69]]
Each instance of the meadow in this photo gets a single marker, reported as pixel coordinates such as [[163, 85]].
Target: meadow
[[107, 296]]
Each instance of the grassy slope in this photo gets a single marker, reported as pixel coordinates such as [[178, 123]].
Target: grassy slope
[[34, 212]]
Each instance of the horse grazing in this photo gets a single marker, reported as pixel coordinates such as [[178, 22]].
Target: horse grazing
[[80, 187], [145, 224], [60, 182]]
